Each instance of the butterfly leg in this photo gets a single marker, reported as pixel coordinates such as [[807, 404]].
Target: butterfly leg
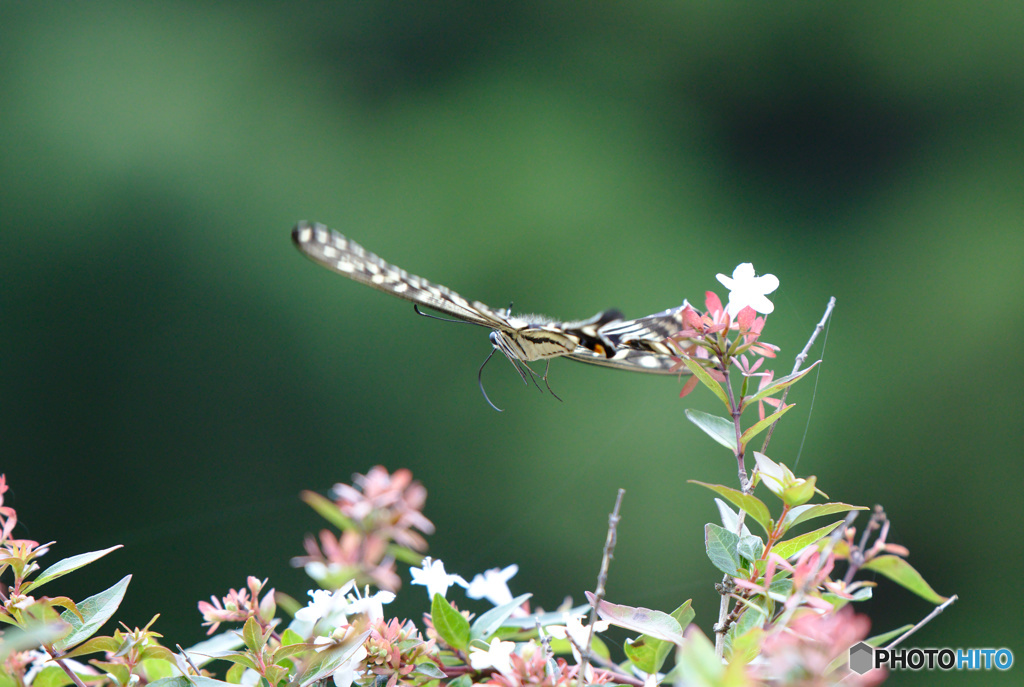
[[547, 366]]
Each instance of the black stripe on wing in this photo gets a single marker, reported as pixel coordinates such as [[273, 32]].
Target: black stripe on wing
[[645, 333], [338, 253]]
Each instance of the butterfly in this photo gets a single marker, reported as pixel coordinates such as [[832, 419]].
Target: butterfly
[[605, 339]]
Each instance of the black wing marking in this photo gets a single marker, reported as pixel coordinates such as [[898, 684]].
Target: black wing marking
[[645, 333]]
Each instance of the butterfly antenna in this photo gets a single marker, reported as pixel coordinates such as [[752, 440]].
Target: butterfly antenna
[[480, 381], [416, 307]]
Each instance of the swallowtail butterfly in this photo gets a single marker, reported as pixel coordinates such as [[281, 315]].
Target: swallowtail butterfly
[[604, 339]]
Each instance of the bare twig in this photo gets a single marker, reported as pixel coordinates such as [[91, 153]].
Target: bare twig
[[602, 581], [188, 660], [927, 619], [63, 665]]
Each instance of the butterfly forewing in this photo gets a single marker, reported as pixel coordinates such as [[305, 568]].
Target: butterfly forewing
[[338, 253]]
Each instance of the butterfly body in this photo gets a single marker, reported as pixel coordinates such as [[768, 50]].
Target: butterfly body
[[605, 339]]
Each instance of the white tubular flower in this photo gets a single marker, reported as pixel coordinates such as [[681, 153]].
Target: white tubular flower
[[372, 606], [493, 585], [576, 632], [746, 288], [497, 656], [326, 605], [434, 578]]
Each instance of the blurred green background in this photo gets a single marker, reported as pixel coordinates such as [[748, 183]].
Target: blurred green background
[[174, 372]]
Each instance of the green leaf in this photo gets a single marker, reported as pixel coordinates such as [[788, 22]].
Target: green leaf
[[697, 665], [17, 639], [710, 382], [876, 641], [214, 647], [119, 671], [451, 625], [764, 424], [685, 614], [797, 544], [750, 547], [639, 619], [749, 504], [776, 386], [177, 681], [488, 623], [51, 676], [718, 428], [405, 555], [235, 673], [799, 492], [252, 635], [721, 545], [800, 514], [461, 681], [328, 510], [643, 652], [730, 518], [331, 660], [190, 681], [430, 670], [157, 668], [93, 645], [290, 636], [61, 568], [753, 618], [96, 610], [902, 573], [240, 658], [649, 653], [743, 646]]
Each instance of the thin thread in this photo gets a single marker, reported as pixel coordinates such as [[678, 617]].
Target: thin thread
[[814, 394]]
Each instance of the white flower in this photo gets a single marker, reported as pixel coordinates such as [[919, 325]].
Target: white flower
[[372, 606], [319, 572], [350, 669], [434, 578], [493, 585], [250, 678], [327, 605], [746, 288], [497, 656], [576, 632], [335, 607], [41, 660]]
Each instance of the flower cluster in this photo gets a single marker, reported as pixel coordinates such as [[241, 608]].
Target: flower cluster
[[379, 510], [239, 605]]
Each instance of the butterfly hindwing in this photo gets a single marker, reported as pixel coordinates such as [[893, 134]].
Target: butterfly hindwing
[[630, 360]]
